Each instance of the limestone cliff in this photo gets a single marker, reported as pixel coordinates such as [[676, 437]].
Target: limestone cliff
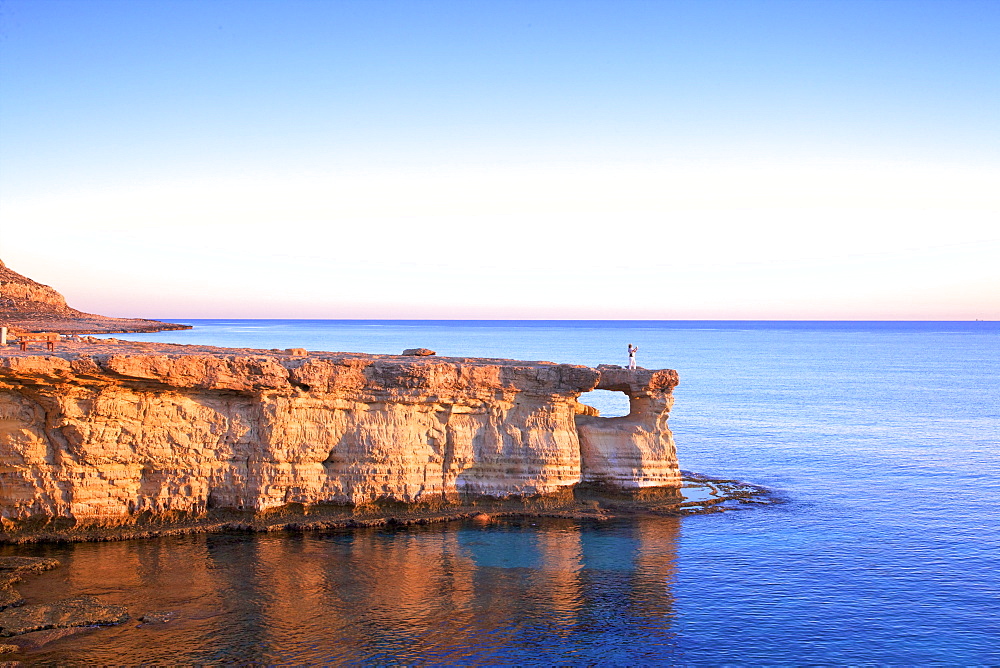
[[614, 450], [112, 438]]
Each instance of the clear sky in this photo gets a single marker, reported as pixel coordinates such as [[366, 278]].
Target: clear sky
[[746, 159]]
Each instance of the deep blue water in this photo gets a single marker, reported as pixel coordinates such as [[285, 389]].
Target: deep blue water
[[884, 439]]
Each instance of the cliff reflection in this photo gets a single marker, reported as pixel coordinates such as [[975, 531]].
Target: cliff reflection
[[436, 594]]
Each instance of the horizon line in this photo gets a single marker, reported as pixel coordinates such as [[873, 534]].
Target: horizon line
[[568, 319]]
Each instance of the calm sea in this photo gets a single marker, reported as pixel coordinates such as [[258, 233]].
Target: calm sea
[[882, 437]]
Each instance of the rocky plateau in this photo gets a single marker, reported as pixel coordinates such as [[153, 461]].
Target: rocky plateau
[[111, 434]]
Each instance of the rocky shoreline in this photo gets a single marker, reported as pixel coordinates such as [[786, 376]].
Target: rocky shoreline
[[698, 495], [25, 626], [84, 324]]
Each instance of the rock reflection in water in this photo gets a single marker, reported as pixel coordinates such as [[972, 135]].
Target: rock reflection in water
[[520, 590]]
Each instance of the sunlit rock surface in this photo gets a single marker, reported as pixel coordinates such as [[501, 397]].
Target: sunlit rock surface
[[636, 450], [105, 434]]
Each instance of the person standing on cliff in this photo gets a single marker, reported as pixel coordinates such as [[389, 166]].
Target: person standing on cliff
[[632, 350]]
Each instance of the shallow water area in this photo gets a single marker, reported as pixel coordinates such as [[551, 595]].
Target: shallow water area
[[693, 492], [881, 439], [457, 593]]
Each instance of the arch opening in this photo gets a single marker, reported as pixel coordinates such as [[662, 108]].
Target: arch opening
[[610, 403]]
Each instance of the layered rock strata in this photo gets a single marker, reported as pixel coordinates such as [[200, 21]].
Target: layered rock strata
[[111, 438], [613, 450]]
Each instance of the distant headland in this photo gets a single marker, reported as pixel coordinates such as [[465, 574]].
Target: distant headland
[[28, 306]]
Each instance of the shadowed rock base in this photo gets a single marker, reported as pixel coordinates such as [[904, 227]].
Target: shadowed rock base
[[698, 495]]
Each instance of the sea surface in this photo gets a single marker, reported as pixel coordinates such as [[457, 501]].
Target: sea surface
[[882, 439]]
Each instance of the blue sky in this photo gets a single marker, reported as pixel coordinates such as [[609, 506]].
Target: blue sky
[[831, 160]]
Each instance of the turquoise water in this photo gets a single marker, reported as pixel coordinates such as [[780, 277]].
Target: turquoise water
[[884, 439]]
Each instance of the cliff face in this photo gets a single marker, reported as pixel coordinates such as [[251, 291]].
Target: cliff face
[[113, 438]]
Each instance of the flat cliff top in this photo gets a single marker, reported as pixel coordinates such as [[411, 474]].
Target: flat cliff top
[[68, 349], [250, 370]]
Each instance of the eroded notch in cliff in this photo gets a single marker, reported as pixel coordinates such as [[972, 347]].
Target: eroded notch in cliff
[[633, 447], [607, 403], [300, 386]]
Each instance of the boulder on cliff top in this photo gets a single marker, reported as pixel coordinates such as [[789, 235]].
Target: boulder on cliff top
[[418, 352]]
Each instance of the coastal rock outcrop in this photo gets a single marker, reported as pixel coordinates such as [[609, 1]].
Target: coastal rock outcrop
[[29, 306], [614, 450], [20, 291], [108, 438]]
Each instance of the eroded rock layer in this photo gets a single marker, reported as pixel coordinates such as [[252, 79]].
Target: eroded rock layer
[[112, 438]]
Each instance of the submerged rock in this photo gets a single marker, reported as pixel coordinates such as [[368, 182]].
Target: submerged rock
[[26, 565], [156, 617], [9, 598], [38, 639], [70, 612], [11, 570]]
